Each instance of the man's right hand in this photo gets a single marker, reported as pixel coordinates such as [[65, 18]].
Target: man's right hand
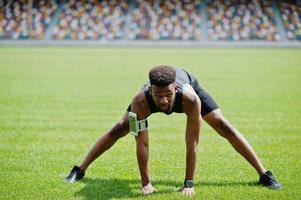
[[148, 189], [187, 191]]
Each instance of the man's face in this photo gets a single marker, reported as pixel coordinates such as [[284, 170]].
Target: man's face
[[164, 96]]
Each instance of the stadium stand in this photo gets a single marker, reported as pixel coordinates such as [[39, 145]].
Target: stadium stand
[[166, 20], [42, 13], [82, 20], [242, 20], [187, 20], [291, 15], [14, 18]]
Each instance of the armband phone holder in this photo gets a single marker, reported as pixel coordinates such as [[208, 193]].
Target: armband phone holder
[[135, 125]]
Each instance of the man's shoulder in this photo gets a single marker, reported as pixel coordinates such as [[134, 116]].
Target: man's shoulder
[[140, 97], [190, 98], [140, 102], [189, 93]]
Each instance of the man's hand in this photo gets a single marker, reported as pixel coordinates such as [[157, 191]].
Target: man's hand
[[187, 191], [148, 189]]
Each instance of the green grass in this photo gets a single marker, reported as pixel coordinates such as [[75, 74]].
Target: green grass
[[55, 103]]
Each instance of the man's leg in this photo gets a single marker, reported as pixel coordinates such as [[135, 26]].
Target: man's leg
[[219, 123], [106, 141]]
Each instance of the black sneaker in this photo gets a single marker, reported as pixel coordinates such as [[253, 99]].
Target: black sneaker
[[269, 181], [76, 174]]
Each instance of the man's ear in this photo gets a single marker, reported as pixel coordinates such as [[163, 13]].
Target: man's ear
[[176, 87]]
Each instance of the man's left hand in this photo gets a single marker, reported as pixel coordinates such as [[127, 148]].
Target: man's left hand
[[187, 191]]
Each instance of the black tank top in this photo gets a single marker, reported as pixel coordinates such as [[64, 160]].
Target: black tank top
[[182, 77]]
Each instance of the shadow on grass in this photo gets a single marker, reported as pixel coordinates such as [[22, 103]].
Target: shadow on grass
[[228, 184], [107, 189]]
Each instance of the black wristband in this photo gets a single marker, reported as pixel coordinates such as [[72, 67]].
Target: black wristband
[[188, 183]]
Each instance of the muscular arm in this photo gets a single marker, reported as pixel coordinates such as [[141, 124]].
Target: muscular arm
[[142, 157], [140, 107], [192, 108]]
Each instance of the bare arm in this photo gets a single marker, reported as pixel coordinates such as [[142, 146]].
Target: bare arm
[[142, 157], [192, 108], [193, 127], [141, 108]]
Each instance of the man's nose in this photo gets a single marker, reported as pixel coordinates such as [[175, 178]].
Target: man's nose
[[163, 100]]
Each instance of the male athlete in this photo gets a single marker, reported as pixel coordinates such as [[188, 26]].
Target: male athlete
[[173, 90]]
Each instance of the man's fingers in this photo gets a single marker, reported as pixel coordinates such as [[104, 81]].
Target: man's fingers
[[148, 189], [143, 190], [190, 193], [187, 191]]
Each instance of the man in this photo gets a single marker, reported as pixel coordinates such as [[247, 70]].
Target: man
[[173, 90]]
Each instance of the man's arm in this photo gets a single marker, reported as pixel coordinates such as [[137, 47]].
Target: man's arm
[[192, 108], [141, 108], [142, 159], [193, 126], [142, 156]]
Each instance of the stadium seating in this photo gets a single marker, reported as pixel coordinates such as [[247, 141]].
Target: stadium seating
[[188, 20], [166, 20], [241, 20], [88, 19], [42, 14], [15, 19], [291, 15]]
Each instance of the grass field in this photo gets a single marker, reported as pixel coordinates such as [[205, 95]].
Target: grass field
[[55, 103]]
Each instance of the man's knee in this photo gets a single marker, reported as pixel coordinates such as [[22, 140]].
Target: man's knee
[[226, 129], [221, 125]]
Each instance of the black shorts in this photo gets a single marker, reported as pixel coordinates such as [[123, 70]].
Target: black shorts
[[207, 102]]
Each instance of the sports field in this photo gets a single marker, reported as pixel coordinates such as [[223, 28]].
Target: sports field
[[55, 102]]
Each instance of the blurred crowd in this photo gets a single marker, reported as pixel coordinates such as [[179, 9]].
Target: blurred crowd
[[92, 19], [166, 19], [291, 16], [242, 20], [22, 20], [233, 20]]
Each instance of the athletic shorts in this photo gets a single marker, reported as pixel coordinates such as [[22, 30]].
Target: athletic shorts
[[207, 102]]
